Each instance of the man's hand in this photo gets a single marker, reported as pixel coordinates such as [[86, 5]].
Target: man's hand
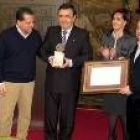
[[67, 63], [2, 89], [125, 90], [50, 59]]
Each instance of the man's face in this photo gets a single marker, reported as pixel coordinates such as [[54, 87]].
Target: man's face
[[27, 24], [66, 18], [138, 30]]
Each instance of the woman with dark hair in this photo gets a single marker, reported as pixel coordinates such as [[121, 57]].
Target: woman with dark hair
[[117, 44]]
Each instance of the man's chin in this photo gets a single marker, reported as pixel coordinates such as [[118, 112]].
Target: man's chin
[[138, 38], [65, 27], [28, 32]]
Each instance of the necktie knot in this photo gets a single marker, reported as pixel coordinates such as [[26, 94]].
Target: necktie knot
[[64, 32]]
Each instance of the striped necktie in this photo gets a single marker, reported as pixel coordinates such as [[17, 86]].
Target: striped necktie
[[64, 39]]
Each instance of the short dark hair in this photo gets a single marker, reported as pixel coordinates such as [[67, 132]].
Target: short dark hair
[[68, 6], [124, 12], [21, 11]]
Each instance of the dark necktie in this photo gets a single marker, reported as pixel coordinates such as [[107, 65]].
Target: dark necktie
[[64, 39]]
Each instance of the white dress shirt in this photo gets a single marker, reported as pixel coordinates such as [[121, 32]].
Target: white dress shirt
[[68, 33], [22, 33]]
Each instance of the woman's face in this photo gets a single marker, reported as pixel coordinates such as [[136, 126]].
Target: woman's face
[[118, 22]]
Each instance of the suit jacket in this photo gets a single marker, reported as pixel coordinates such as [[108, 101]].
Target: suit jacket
[[124, 47], [135, 73], [77, 48]]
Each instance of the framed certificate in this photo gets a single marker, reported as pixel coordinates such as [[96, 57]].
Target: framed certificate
[[104, 76]]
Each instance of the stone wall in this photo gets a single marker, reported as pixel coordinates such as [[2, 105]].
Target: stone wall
[[44, 9]]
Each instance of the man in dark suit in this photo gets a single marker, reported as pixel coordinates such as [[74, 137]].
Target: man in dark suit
[[63, 81], [133, 92]]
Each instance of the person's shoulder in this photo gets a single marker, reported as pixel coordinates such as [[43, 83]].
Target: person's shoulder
[[130, 39], [53, 28], [81, 32], [130, 36], [79, 29], [8, 31], [36, 32], [108, 33]]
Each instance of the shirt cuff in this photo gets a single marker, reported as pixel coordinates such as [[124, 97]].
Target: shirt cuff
[[70, 63]]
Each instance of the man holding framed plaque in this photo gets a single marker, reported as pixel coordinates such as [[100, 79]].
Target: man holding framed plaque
[[65, 48]]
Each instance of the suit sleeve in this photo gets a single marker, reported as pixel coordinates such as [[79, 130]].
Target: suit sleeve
[[46, 47], [86, 51], [39, 45], [132, 44], [2, 56]]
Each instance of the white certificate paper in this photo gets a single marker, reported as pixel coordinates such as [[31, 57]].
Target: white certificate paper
[[104, 76]]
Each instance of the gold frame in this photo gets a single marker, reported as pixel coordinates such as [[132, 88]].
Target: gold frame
[[88, 89]]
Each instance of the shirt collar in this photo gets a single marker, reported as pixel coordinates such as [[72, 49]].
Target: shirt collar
[[68, 30], [118, 35], [138, 44], [21, 32]]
